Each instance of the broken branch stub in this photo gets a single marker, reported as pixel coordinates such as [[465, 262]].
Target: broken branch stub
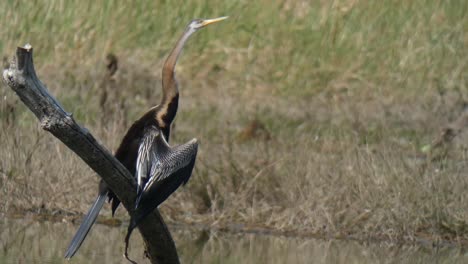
[[21, 77]]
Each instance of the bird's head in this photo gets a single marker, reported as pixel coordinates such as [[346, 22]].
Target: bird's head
[[199, 23]]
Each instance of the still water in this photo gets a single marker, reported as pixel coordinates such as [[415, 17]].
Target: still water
[[29, 241]]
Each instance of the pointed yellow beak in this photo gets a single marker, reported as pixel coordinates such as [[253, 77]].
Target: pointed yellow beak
[[213, 20]]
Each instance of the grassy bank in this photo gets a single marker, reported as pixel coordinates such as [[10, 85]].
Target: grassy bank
[[311, 116]]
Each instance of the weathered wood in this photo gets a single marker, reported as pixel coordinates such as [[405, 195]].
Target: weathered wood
[[21, 77]]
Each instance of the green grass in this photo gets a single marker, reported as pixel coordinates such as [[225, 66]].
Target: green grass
[[347, 94]]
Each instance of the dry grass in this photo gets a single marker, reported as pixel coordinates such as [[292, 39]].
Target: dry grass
[[343, 98]]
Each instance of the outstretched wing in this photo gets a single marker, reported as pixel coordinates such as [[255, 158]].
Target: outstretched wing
[[162, 169]]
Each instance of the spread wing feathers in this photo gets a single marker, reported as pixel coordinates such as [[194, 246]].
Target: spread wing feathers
[[156, 193], [162, 169]]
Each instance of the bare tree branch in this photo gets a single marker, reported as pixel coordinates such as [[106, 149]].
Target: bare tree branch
[[21, 77]]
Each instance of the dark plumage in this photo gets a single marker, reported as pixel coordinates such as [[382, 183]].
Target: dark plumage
[[153, 126]]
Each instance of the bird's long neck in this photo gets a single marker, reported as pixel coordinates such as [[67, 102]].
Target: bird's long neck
[[170, 100]]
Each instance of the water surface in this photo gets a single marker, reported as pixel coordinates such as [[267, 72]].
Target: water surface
[[30, 241]]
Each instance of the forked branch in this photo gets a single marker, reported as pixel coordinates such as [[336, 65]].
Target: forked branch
[[22, 78]]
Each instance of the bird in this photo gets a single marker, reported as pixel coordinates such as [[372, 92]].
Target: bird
[[154, 126]]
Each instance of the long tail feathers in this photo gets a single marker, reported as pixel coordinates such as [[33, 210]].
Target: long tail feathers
[[86, 225]]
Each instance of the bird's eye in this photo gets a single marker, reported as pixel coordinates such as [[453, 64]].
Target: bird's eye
[[196, 23]]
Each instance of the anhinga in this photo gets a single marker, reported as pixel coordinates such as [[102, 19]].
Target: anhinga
[[144, 151]]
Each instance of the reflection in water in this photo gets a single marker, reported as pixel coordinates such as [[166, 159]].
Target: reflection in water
[[28, 241]]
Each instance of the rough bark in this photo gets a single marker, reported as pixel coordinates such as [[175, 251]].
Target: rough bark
[[22, 78]]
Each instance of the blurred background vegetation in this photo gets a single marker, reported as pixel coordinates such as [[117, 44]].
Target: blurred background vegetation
[[315, 117]]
